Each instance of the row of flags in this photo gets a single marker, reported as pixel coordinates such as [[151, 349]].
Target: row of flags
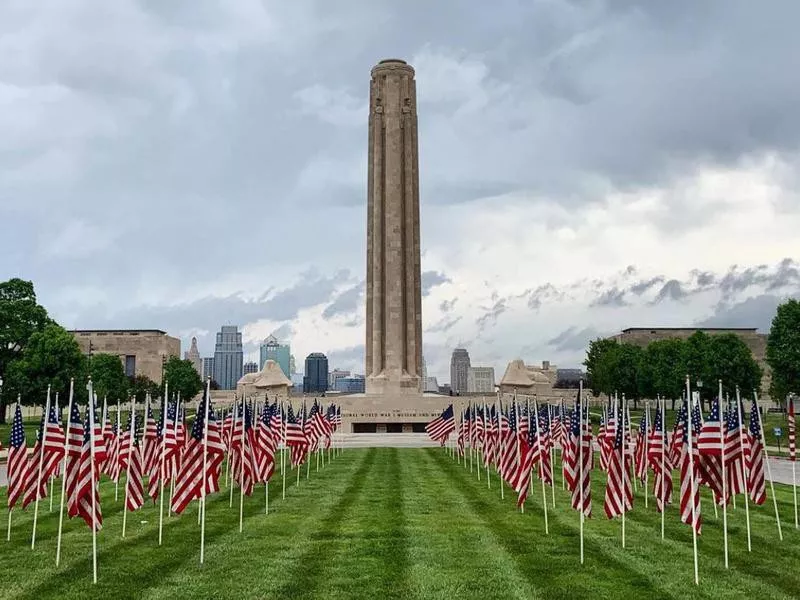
[[162, 458], [723, 451]]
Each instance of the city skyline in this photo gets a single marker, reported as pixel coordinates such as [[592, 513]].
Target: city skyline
[[566, 190]]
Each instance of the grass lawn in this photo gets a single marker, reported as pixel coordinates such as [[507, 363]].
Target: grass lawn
[[389, 523]]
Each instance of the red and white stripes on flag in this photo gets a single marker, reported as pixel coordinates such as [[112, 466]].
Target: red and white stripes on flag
[[17, 459], [689, 463], [43, 462], [619, 490], [87, 493], [660, 461], [756, 482], [442, 426], [792, 430], [265, 441]]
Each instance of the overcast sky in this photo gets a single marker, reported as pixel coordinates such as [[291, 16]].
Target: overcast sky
[[585, 167]]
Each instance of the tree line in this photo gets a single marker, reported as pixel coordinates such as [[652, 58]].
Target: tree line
[[660, 368], [36, 352]]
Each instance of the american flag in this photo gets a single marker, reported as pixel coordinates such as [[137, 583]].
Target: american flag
[[522, 420], [150, 442], [47, 453], [709, 445], [295, 438], [792, 441], [17, 459], [619, 491], [690, 478], [479, 426], [659, 459], [462, 433], [112, 466], [545, 445], [580, 448], [75, 435], [602, 441], [131, 461], [528, 454], [87, 492], [243, 459], [442, 426], [227, 429], [734, 455], [756, 482], [265, 443], [508, 436], [189, 482], [640, 453]]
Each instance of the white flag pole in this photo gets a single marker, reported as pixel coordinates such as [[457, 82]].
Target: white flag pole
[[283, 450], [502, 448], [769, 469], [234, 419], [646, 451], [114, 467], [95, 481], [204, 474], [623, 416], [132, 432], [664, 447], [579, 450], [745, 470], [53, 478], [64, 471], [486, 444], [179, 449], [163, 466], [43, 445], [541, 464], [241, 470], [721, 407], [689, 410]]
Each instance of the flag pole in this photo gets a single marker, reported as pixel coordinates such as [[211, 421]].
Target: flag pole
[[689, 409], [131, 433], [53, 478], [745, 470], [41, 465], [646, 449], [769, 469], [541, 464], [663, 459], [116, 483], [485, 444], [241, 469], [721, 407], [516, 440], [204, 476], [178, 449], [579, 451], [552, 456], [95, 481], [63, 473], [623, 415], [502, 447], [234, 418], [283, 451], [162, 467]]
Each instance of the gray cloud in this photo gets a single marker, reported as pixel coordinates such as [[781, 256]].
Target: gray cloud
[[345, 303], [492, 313], [644, 286], [443, 325], [671, 290], [610, 297], [430, 279], [351, 358], [574, 338], [757, 312], [447, 305]]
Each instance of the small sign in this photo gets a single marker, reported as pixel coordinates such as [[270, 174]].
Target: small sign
[[777, 431]]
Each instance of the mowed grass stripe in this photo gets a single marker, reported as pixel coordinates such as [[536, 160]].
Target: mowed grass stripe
[[664, 565], [455, 552]]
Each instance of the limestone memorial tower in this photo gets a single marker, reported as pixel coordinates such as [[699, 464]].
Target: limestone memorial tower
[[394, 293]]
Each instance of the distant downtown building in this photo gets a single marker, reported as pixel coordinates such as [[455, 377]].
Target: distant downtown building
[[272, 349], [228, 357], [315, 379], [208, 367], [459, 371], [335, 376], [350, 385], [193, 355], [250, 367], [480, 380]]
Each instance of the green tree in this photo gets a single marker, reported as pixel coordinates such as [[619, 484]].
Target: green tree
[[597, 363], [730, 360], [20, 317], [141, 386], [625, 366], [783, 351], [698, 366], [51, 357], [108, 377], [182, 377], [664, 366]]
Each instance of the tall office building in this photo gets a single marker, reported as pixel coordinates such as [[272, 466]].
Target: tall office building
[[335, 376], [193, 355], [316, 376], [208, 367], [272, 349], [228, 357], [480, 380], [459, 371]]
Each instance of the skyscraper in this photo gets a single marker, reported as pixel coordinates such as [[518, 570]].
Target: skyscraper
[[193, 354], [208, 367], [250, 367], [459, 371], [316, 376], [272, 349], [228, 357], [480, 380]]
